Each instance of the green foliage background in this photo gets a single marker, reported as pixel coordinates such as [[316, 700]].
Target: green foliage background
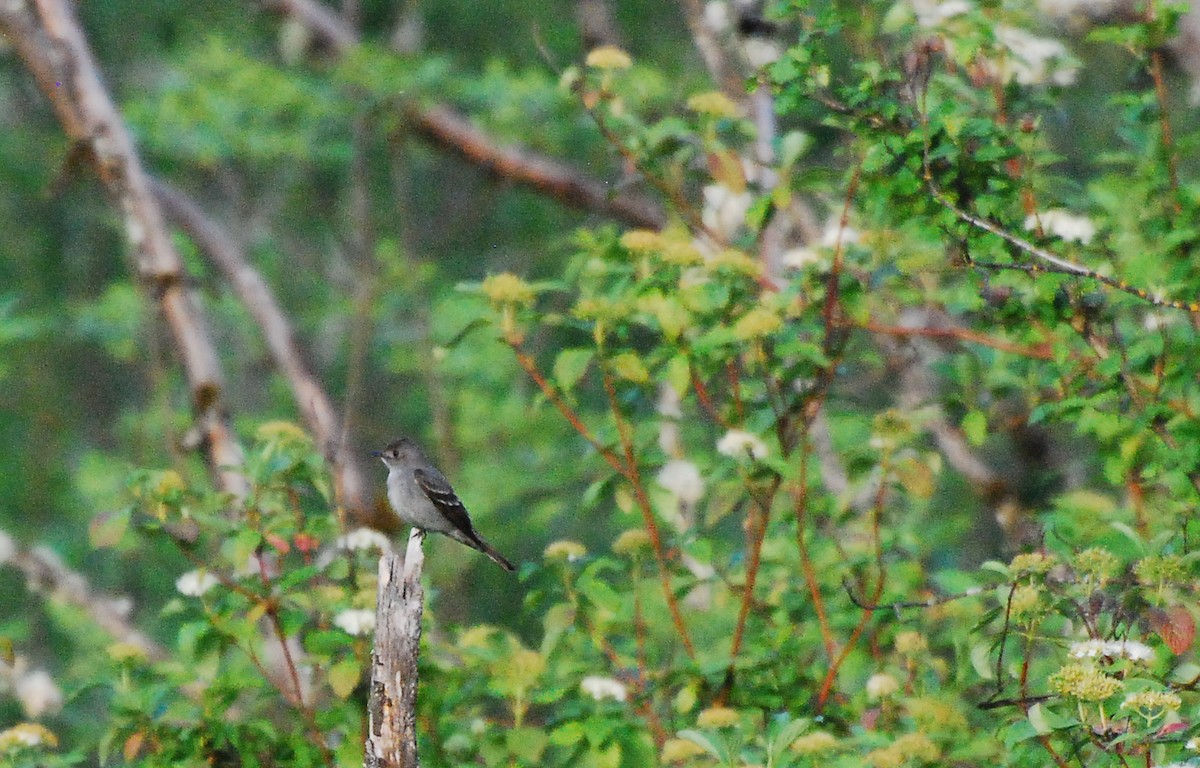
[[740, 481]]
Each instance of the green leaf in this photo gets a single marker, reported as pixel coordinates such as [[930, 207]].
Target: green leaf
[[974, 426], [570, 365], [630, 367], [344, 676], [709, 745], [981, 660], [526, 743], [107, 528], [785, 736], [1037, 719]]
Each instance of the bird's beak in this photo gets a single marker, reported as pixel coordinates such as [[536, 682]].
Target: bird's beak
[[377, 454]]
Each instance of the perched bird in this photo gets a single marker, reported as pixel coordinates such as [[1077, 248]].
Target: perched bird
[[421, 496]]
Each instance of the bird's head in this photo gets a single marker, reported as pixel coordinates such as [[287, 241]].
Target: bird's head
[[398, 452]]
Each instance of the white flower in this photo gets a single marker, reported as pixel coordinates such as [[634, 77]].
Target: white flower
[[196, 583], [1193, 744], [1111, 649], [1153, 321], [739, 444], [669, 402], [716, 15], [880, 685], [803, 258], [683, 479], [38, 694], [1064, 224], [601, 688], [1135, 651], [835, 233], [355, 621], [365, 539], [931, 13], [1032, 60], [724, 209], [760, 53], [8, 548], [1087, 649]]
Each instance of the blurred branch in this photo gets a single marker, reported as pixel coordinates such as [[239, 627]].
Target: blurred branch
[[392, 703], [597, 23], [455, 134], [46, 574], [314, 404], [716, 58], [446, 129], [51, 44]]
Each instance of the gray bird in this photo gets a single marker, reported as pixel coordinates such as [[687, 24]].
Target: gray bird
[[421, 496]]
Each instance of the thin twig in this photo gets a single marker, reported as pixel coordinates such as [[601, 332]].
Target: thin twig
[[633, 475]]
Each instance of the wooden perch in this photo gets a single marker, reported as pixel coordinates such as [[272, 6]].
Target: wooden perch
[[454, 133], [392, 703], [256, 296], [50, 42]]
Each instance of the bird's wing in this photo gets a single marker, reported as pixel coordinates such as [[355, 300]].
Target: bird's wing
[[435, 486]]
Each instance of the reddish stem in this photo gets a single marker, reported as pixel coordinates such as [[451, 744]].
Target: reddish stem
[[567, 412], [633, 475], [810, 573], [867, 612]]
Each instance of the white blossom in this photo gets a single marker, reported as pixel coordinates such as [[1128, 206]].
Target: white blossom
[[356, 621], [601, 688], [1032, 60], [803, 258], [1060, 223], [760, 53], [716, 15], [682, 478], [880, 685], [38, 694], [196, 583], [834, 233], [365, 539], [1111, 649], [931, 13], [725, 210], [1153, 321], [669, 402], [1193, 744], [739, 443], [8, 548]]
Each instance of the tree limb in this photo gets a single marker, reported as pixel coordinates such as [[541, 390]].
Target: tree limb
[[451, 132], [256, 295], [46, 574], [49, 40]]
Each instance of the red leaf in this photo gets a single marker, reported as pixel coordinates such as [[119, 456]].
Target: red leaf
[[133, 745], [1170, 728], [280, 544], [306, 542], [1176, 626]]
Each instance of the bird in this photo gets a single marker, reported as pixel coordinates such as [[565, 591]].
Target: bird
[[422, 497]]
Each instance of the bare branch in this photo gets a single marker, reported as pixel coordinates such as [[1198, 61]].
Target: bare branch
[[46, 574], [716, 58], [51, 43], [392, 703], [444, 128], [256, 295]]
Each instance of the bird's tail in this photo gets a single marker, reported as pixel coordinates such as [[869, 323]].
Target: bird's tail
[[475, 541], [495, 556]]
